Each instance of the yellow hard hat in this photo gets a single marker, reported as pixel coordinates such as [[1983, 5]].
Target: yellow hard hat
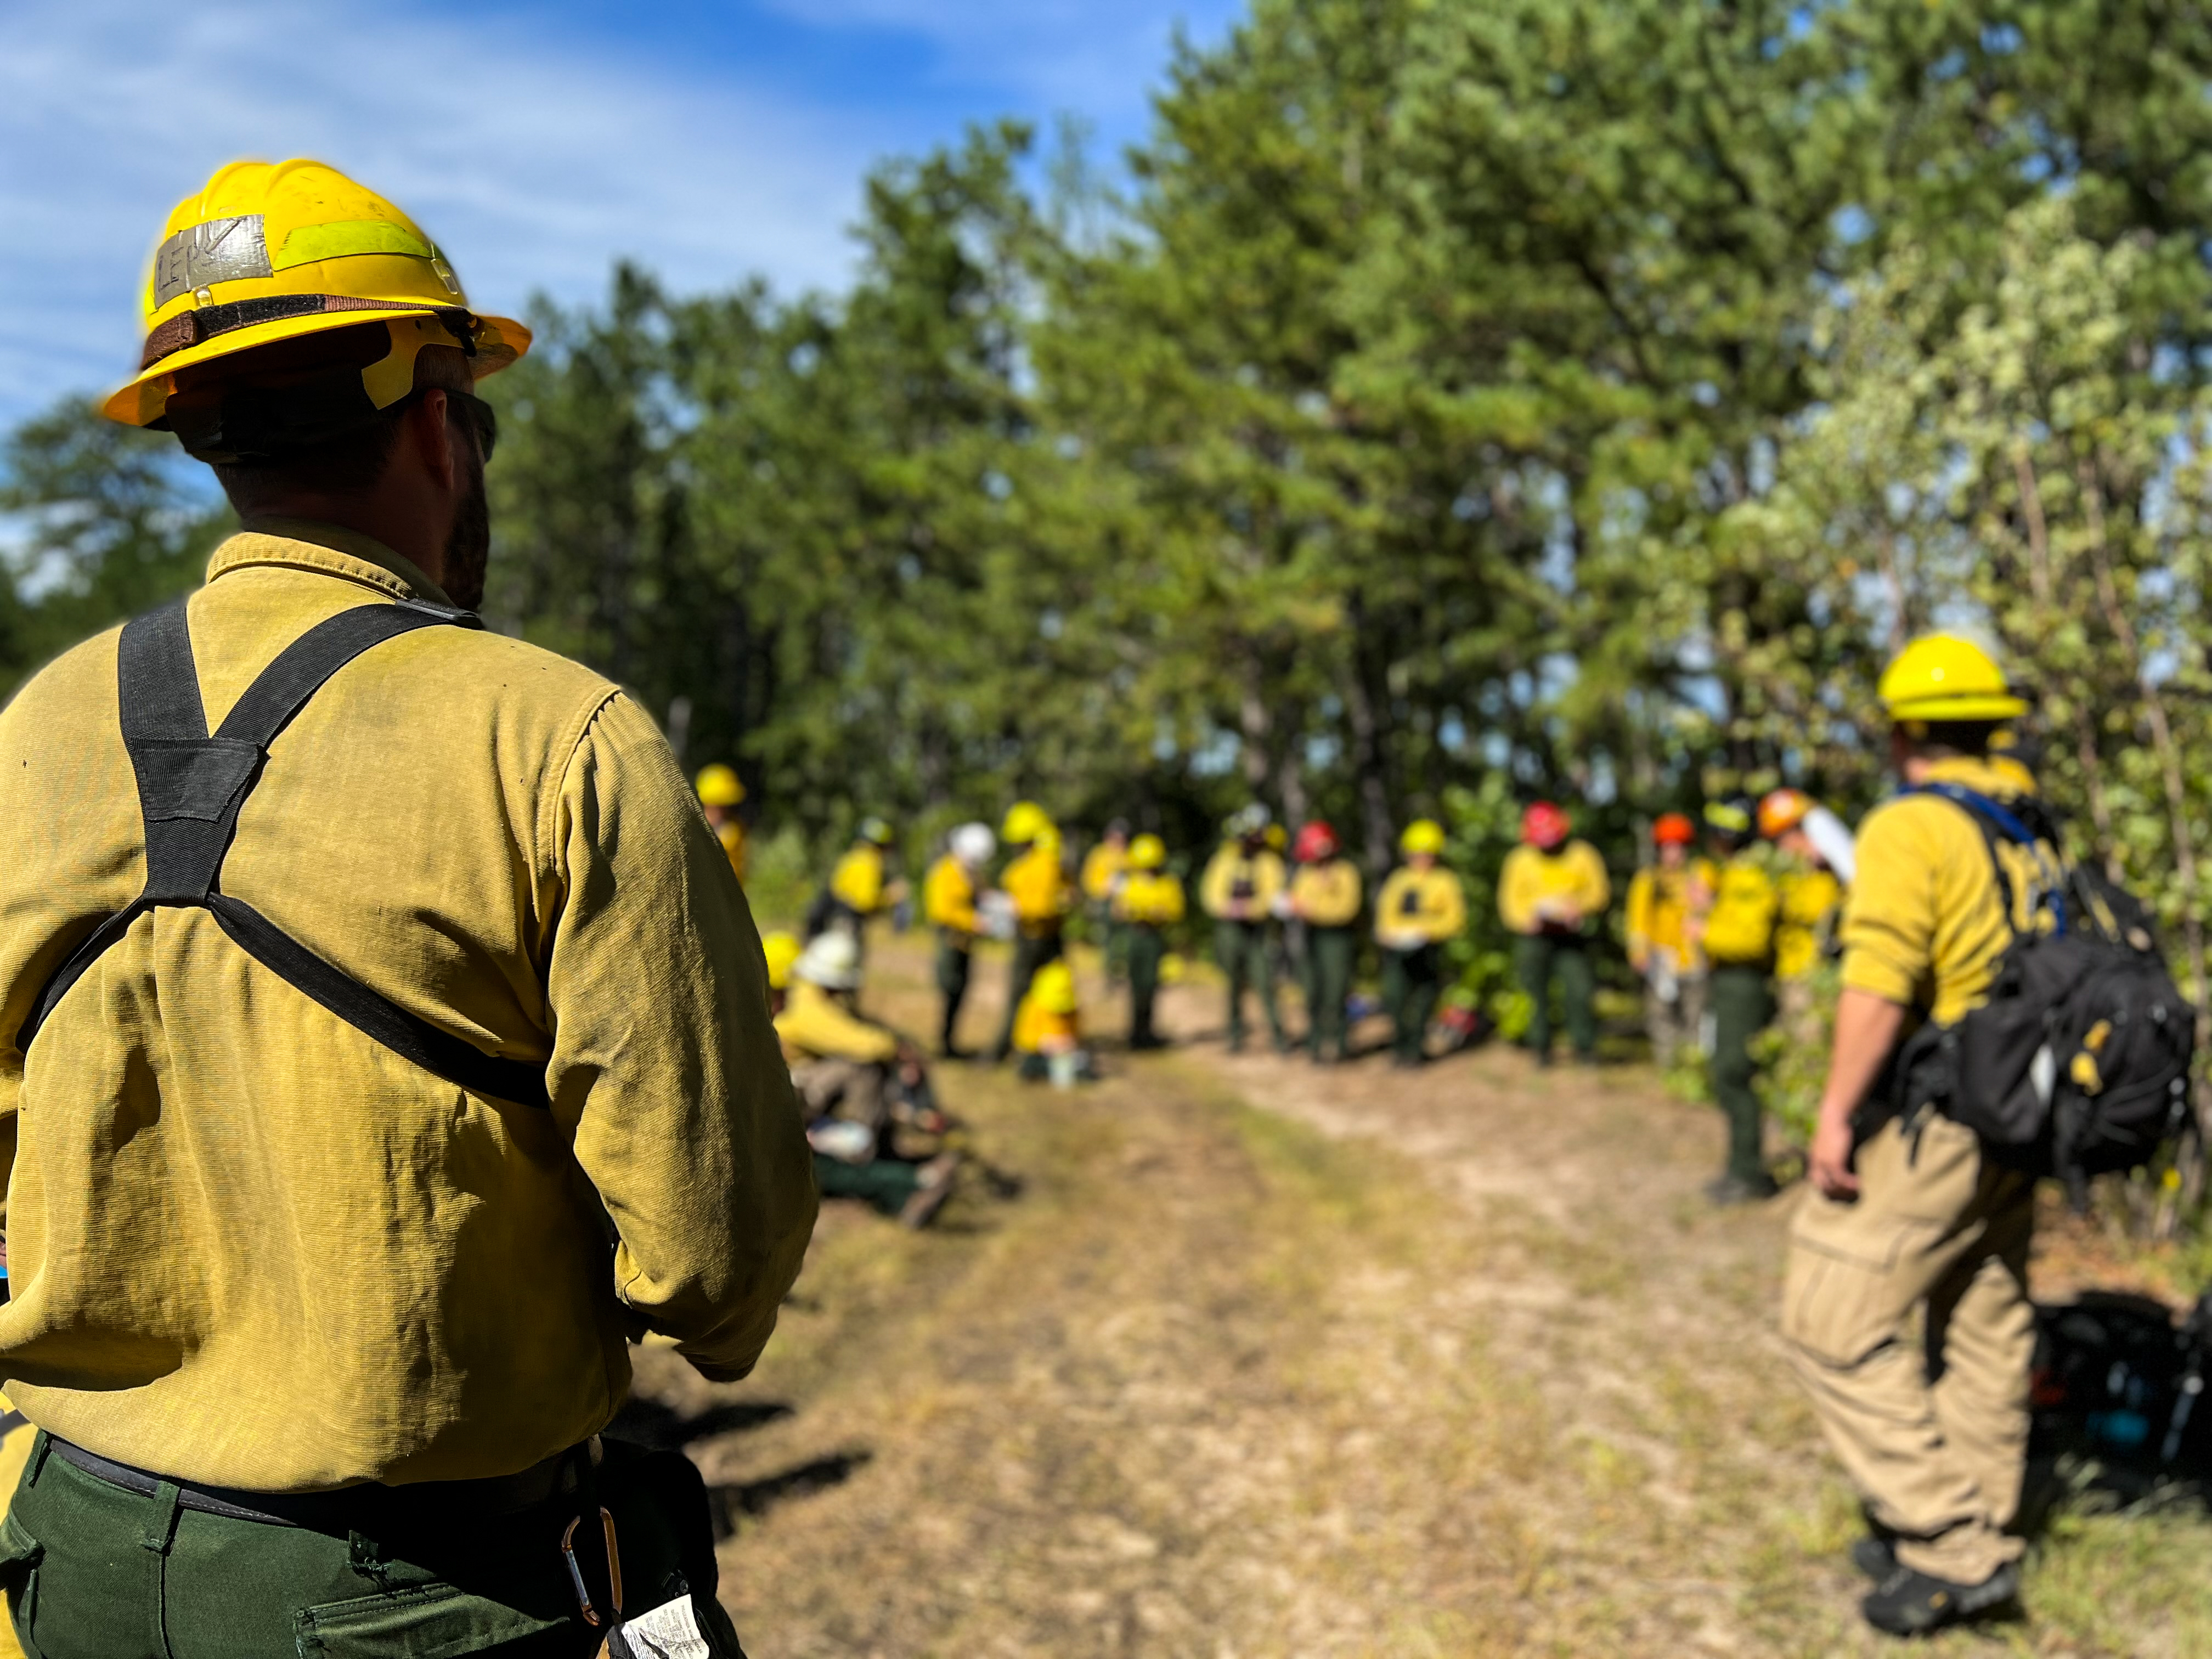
[[1054, 988], [277, 252], [781, 949], [1422, 836], [1147, 852], [1026, 820], [1942, 677], [719, 786]]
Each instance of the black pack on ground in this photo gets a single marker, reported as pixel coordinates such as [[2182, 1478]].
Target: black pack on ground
[[2078, 1063], [2116, 1384]]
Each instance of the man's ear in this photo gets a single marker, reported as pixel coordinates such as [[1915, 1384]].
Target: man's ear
[[429, 431]]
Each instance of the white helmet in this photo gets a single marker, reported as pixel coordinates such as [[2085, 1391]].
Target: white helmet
[[974, 844], [832, 961]]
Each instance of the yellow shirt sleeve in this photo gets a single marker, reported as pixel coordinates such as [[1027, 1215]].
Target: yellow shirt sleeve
[[1213, 887], [1100, 866], [731, 834], [948, 896], [1519, 889], [1643, 887], [1443, 905], [1592, 887], [1037, 884]]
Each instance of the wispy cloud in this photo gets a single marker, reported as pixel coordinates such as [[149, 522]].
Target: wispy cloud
[[535, 164]]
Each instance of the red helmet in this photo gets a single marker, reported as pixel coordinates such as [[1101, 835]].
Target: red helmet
[[1544, 825], [1673, 830], [1315, 841]]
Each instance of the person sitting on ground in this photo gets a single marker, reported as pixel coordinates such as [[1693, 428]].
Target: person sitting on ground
[[1239, 891], [1658, 941], [1047, 1032], [949, 897], [1148, 902], [1324, 897], [1551, 893], [1422, 908], [863, 1088]]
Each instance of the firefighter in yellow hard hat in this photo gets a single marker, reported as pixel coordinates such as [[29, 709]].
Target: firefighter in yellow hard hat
[[1732, 921], [440, 1036], [1551, 891], [1911, 1222], [1422, 908], [1103, 869], [1242, 883], [1148, 902], [1048, 1029], [720, 794], [949, 893], [1035, 883]]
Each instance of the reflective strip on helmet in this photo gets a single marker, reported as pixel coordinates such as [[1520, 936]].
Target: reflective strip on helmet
[[214, 251], [191, 328], [349, 237]]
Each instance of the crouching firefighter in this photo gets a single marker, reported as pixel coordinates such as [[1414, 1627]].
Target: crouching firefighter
[[2003, 1016], [332, 1201]]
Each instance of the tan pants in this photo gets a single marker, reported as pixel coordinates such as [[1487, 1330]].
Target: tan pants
[[850, 1089], [1934, 1440]]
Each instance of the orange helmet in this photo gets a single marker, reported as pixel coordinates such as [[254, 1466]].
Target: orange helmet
[[1544, 825], [1782, 810], [1673, 830]]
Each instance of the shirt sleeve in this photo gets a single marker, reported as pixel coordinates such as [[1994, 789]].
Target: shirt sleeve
[[1889, 920], [1595, 891], [1641, 888], [664, 1069], [1516, 894], [1213, 886], [1448, 920]]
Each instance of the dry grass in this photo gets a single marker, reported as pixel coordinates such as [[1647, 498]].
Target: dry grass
[[1269, 1361]]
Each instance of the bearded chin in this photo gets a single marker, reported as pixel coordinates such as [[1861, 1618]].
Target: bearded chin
[[467, 547]]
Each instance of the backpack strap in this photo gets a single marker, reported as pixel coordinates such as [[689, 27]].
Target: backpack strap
[[1993, 818], [191, 787]]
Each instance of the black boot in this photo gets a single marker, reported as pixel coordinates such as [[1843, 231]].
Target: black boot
[[1909, 1603]]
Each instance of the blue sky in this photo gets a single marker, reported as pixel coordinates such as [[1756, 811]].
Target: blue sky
[[537, 143]]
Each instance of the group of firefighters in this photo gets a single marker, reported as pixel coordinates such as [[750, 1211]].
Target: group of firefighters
[[389, 1045]]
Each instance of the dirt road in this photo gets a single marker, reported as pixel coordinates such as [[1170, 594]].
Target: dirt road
[[1267, 1360]]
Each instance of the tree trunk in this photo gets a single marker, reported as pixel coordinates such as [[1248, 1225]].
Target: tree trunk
[[1364, 699]]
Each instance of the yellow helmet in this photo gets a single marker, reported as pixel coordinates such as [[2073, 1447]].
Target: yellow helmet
[[265, 252], [1422, 836], [1147, 852], [719, 786], [1054, 988], [781, 949], [1026, 820], [1942, 677]]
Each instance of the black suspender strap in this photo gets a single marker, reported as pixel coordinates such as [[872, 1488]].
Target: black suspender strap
[[191, 787]]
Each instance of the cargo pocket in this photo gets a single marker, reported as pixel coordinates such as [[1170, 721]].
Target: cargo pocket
[[429, 1621], [20, 1555], [1847, 1287]]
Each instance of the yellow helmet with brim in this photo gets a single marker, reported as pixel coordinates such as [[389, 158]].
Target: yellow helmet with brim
[[1945, 677]]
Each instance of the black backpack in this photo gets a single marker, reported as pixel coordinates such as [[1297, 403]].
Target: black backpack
[[2115, 1383], [2078, 1063]]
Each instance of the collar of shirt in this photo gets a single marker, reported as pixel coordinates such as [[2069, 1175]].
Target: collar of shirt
[[1979, 775], [310, 545]]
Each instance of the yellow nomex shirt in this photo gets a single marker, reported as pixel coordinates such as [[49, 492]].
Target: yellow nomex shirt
[[1533, 878], [948, 899], [1235, 876], [1151, 898], [1037, 885], [1924, 925], [1659, 906], [1100, 866], [1809, 898], [858, 880], [250, 1246], [1429, 903], [1327, 894], [1739, 925]]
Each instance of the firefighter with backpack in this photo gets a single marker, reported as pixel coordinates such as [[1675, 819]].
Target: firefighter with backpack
[[1933, 1126]]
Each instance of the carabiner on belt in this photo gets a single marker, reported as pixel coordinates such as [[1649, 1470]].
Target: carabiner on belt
[[576, 1574]]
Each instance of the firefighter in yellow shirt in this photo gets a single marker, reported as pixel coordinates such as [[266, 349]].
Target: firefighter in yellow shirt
[[1149, 902], [1658, 941], [1734, 922], [949, 894], [1908, 1262], [1551, 892], [1049, 1031], [1035, 882], [720, 795], [1239, 889], [1422, 908], [862, 884], [1100, 878], [422, 959], [1325, 895]]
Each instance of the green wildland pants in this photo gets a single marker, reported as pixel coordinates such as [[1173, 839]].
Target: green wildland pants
[[1030, 955], [1742, 999], [1540, 959], [1145, 946], [1410, 982], [93, 1571], [953, 961], [884, 1184], [1241, 949], [1327, 982]]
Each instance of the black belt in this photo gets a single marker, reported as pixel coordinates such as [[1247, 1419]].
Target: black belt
[[368, 1508]]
